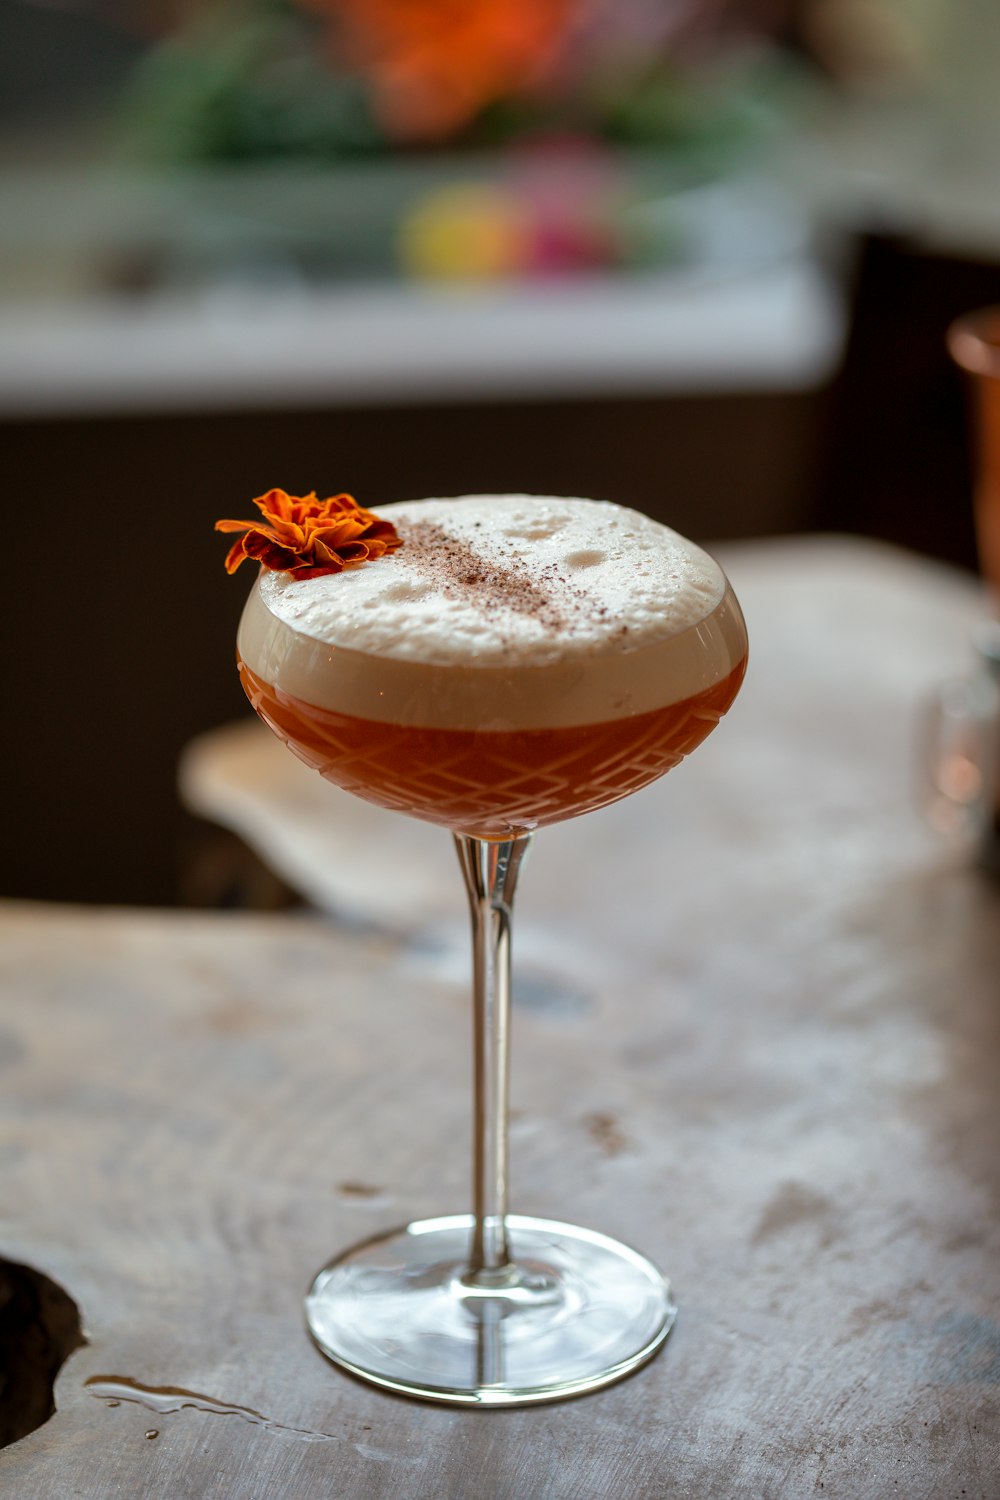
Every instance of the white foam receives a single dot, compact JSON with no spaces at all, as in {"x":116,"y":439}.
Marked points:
{"x":502,"y":611}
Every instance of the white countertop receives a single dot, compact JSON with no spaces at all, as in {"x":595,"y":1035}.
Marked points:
{"x":777,"y":327}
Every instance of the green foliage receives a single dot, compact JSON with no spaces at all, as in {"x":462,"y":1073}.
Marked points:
{"x":245,"y":83}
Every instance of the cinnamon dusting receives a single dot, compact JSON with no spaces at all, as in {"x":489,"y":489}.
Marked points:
{"x":453,"y":568}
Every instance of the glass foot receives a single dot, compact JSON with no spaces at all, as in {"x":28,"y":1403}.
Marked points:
{"x":575,"y":1311}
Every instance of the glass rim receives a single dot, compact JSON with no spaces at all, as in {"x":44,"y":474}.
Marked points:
{"x":973,"y":341}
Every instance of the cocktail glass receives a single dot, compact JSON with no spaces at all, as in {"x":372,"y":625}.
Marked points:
{"x":492,"y":1308}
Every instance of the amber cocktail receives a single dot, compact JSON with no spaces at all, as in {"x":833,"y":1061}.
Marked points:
{"x":519,"y":660}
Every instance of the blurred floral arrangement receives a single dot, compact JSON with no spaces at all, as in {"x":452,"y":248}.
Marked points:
{"x":580,"y":83}
{"x":246,"y":79}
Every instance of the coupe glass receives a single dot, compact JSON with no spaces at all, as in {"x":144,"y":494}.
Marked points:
{"x":491,"y":1308}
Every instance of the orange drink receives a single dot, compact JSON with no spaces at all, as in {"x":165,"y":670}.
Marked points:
{"x":518,"y":661}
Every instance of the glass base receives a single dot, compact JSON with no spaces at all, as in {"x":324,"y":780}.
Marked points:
{"x":575,"y":1311}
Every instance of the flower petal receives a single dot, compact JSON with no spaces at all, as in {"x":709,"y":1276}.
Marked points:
{"x":275,"y":505}
{"x":348,"y":553}
{"x":234,"y":525}
{"x":235,"y":556}
{"x":269,"y":552}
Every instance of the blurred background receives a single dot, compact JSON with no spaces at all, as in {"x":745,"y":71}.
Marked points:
{"x":696,"y":256}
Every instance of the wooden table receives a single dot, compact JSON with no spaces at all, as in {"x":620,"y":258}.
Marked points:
{"x":757,"y":1035}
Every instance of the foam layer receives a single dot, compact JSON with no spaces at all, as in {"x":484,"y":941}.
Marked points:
{"x":502,"y":611}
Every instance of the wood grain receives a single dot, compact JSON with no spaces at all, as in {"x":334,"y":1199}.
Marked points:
{"x":757,"y":1034}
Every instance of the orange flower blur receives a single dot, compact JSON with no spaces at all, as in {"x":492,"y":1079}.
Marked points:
{"x":434,"y":64}
{"x":305,"y":537}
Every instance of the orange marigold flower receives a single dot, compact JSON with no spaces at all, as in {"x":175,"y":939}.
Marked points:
{"x":434,"y":64}
{"x":305,"y":537}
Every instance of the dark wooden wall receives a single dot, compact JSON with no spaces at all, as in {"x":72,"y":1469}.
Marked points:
{"x":898,"y":462}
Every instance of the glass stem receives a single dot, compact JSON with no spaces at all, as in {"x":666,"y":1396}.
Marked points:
{"x":490,"y":871}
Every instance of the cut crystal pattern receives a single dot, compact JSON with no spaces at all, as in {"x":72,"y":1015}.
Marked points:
{"x":491,"y":783}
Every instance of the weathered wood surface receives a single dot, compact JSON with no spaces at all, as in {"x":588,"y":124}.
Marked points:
{"x":757,"y":1035}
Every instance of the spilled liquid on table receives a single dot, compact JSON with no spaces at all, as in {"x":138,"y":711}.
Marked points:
{"x":168,"y":1398}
